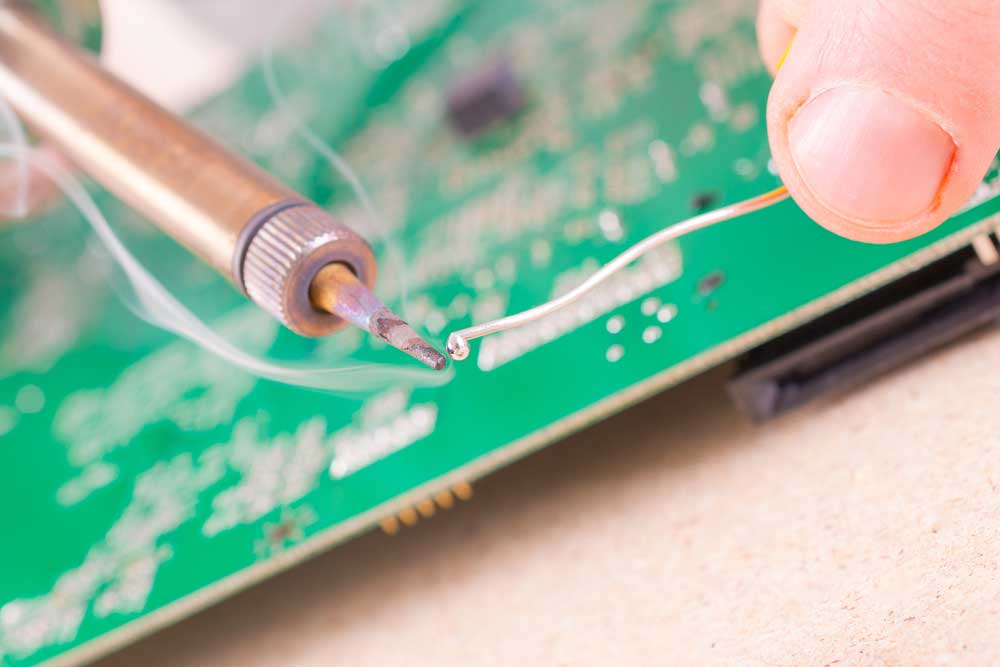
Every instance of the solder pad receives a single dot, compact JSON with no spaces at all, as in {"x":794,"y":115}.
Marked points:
{"x":144,"y":479}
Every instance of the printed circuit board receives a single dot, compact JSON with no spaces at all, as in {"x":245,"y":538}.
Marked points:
{"x":143,"y":479}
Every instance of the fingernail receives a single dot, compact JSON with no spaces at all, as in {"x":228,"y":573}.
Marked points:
{"x":870,"y":156}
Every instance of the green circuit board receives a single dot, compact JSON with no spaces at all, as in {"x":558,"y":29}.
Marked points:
{"x":143,"y":478}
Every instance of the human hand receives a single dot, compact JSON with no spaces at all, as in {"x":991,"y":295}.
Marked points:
{"x":885,"y":114}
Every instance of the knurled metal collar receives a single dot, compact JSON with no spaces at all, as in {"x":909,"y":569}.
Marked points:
{"x":284,"y":255}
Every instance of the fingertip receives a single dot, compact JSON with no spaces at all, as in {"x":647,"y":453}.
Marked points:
{"x":868,"y":164}
{"x":876,"y":139}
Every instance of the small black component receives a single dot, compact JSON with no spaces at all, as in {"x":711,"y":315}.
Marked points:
{"x":485,"y":97}
{"x":703,"y":201}
{"x":869,"y":337}
{"x":711,"y":282}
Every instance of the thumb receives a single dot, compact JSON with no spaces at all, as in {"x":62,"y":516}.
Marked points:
{"x":885,"y":114}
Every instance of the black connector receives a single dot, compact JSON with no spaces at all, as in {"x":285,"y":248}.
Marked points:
{"x":870,"y":336}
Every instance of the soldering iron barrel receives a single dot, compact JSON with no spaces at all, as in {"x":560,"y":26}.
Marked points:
{"x":251,"y":228}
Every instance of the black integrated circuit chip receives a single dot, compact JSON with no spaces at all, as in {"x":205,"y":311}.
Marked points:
{"x":485,"y":97}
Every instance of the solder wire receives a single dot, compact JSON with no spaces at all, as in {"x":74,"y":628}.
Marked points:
{"x":458,"y":341}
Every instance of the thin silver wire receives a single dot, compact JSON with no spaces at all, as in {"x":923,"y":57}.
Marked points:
{"x":458,"y":341}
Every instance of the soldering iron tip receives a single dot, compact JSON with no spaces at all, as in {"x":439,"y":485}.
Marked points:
{"x":386,"y":325}
{"x":336,"y":290}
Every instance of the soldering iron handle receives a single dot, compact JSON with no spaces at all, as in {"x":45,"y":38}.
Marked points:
{"x":160,"y":165}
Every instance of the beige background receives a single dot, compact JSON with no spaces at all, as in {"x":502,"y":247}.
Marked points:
{"x":862,"y":531}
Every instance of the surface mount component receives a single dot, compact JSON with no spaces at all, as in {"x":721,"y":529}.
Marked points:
{"x":270,"y":241}
{"x":485,"y":97}
{"x":703,"y":201}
